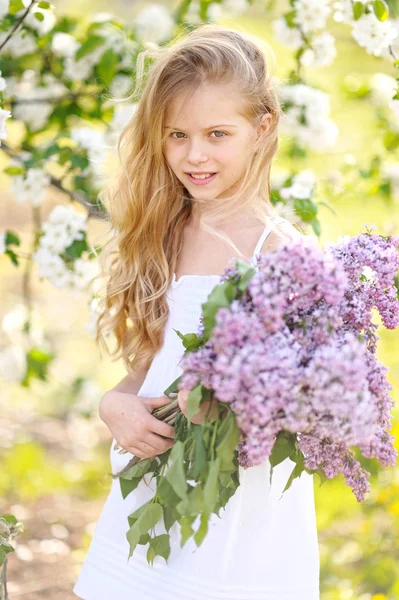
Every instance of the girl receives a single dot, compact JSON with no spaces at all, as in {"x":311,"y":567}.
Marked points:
{"x":197,"y":152}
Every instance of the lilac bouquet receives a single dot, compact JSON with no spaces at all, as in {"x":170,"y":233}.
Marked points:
{"x":291,"y":348}
{"x":287,"y":347}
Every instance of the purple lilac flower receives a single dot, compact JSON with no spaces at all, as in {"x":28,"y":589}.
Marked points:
{"x":296,"y":353}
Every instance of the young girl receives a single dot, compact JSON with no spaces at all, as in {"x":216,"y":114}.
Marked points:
{"x":192,"y":193}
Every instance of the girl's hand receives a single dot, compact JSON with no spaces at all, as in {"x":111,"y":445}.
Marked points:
{"x":197,"y":419}
{"x":129,"y":419}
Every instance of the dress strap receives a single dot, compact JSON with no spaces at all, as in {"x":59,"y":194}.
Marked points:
{"x":265,"y":233}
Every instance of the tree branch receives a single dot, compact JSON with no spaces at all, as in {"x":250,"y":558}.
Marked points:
{"x":17,"y":25}
{"x":93,"y":210}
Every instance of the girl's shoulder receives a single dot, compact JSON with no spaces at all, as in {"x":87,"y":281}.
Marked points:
{"x":283,"y":231}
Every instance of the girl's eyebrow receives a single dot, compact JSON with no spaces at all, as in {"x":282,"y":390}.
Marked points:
{"x":205,"y":129}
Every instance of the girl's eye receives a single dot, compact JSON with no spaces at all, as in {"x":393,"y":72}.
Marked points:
{"x":218,"y":136}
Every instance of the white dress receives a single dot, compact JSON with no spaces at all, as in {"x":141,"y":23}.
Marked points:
{"x":261,"y":548}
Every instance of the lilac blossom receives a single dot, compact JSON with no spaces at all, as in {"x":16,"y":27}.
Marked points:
{"x":296,"y":352}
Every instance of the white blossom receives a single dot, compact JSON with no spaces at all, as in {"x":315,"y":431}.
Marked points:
{"x":84,"y":270}
{"x":235,"y":7}
{"x":372,"y":34}
{"x":154,"y":24}
{"x":302,"y":186}
{"x":193,"y":13}
{"x":93,"y":141}
{"x":13,"y":324}
{"x":42,"y":27}
{"x":278,"y":176}
{"x":64,"y":44}
{"x":21,"y":43}
{"x":306,"y":117}
{"x":31,"y":187}
{"x":311,"y":14}
{"x":322,"y":53}
{"x":4,"y":115}
{"x":289,"y":36}
{"x":383,"y":88}
{"x":12,"y":363}
{"x":120,"y":86}
{"x":3,"y":246}
{"x":27,"y":90}
{"x":3,"y":83}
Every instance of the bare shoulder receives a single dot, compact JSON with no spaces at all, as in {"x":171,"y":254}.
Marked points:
{"x":284,"y":231}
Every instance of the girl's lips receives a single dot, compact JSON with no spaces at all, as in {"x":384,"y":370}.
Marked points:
{"x":201,"y":181}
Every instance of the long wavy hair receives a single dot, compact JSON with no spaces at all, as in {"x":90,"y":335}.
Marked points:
{"x":149,"y":207}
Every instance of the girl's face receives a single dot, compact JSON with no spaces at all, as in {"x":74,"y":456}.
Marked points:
{"x":206,"y":134}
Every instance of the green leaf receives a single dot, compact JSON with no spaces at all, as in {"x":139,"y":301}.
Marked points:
{"x":202,"y":529}
{"x":148,"y":518}
{"x":37,"y":365}
{"x":211,"y":485}
{"x":222,"y":295}
{"x":186,"y":531}
{"x":306,"y":209}
{"x":175,"y":474}
{"x":106,"y":65}
{"x":200,"y":455}
{"x":14,"y":170}
{"x":4,"y":550}
{"x":194,"y":400}
{"x":160,"y":546}
{"x":12,"y":239}
{"x":139,"y":469}
{"x":190,"y":340}
{"x":284,"y":447}
{"x":92,"y":42}
{"x":12,"y":256}
{"x":45,"y":5}
{"x":358,"y":10}
{"x":228,"y":438}
{"x":170,"y":516}
{"x":76,"y":249}
{"x":15,"y":6}
{"x":316,"y":227}
{"x":128,"y":485}
{"x":173,"y":388}
{"x":39,"y":16}
{"x":166,"y":493}
{"x":296,"y":472}
{"x":381,"y":10}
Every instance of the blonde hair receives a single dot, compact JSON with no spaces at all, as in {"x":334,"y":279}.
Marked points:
{"x":147,"y":204}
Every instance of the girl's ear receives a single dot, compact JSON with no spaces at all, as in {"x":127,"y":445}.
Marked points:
{"x":264,"y":124}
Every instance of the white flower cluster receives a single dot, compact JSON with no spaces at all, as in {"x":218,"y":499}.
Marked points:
{"x":93,"y":141}
{"x":154,"y":24}
{"x":4,"y":115}
{"x":307,"y":119}
{"x":42,"y":27}
{"x":20,"y":44}
{"x":30,"y":187}
{"x":311,"y":16}
{"x":30,"y":93}
{"x":383,"y":88}
{"x":369,"y":32}
{"x":63,"y":226}
{"x":66,"y":46}
{"x":216,"y":10}
{"x":302,"y":186}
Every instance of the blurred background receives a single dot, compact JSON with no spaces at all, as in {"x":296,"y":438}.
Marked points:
{"x":54,"y":450}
